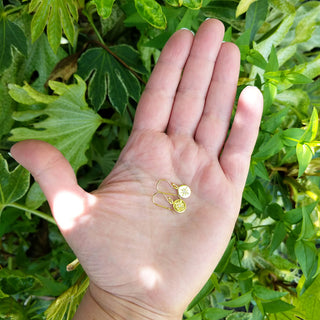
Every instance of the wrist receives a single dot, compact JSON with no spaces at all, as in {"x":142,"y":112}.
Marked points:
{"x":98,"y":304}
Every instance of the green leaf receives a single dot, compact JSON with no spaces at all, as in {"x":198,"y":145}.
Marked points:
{"x":270,"y":147}
{"x":273,"y":64}
{"x":252,"y":198}
{"x":57,"y":15}
{"x":239,"y":301}
{"x":265,"y":46}
{"x":215,"y":314}
{"x":256,"y":58}
{"x":15,"y":281}
{"x":69,"y":125}
{"x":306,"y":254}
{"x":292,"y":136}
{"x":175,"y":3}
{"x":226,"y":257}
{"x":276,"y":306}
{"x":243,"y":6}
{"x":275,"y":212}
{"x":151,"y":11}
{"x":107,"y":75}
{"x":13,"y":185}
{"x":41,"y":51}
{"x":306,"y":26}
{"x":307,"y":229}
{"x":279,"y":233}
{"x":192,"y":4}
{"x":264,"y":293}
{"x":10,"y":36}
{"x":67,"y":302}
{"x":104,"y":7}
{"x":312,"y":128}
{"x":304,"y":155}
{"x":255,"y":17}
{"x":10,"y":309}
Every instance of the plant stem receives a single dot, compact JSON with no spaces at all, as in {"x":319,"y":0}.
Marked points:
{"x":32,"y":211}
{"x":89,"y":17}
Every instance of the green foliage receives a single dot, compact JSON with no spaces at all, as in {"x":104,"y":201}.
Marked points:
{"x":71,"y":73}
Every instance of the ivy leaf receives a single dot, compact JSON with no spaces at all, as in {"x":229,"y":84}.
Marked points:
{"x":151,"y":11}
{"x":13,"y":185}
{"x":107,"y":75}
{"x":57,"y":15}
{"x":10,"y":36}
{"x":70,"y":123}
{"x":104,"y":7}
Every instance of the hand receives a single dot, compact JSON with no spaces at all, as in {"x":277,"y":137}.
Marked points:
{"x":136,"y":254}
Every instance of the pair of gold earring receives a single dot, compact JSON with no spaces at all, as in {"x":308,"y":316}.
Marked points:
{"x":174,"y":199}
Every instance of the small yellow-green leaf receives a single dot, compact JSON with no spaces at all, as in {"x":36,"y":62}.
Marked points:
{"x":304,"y":155}
{"x":312,"y":128}
{"x":243,"y":7}
{"x":151,"y":11}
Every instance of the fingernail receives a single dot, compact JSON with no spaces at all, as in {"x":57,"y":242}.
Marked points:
{"x":208,"y":19}
{"x":188,"y":30}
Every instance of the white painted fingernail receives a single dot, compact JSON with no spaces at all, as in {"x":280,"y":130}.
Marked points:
{"x":188,"y":30}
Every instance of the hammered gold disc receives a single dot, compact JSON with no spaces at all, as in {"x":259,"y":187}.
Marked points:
{"x":184,"y":191}
{"x":179,"y":206}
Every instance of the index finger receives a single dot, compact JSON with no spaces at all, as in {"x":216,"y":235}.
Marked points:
{"x":156,"y":102}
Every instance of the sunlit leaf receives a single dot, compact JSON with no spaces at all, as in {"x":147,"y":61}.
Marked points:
{"x":57,"y":15}
{"x":192,"y":4}
{"x":69,"y":125}
{"x":243,"y":6}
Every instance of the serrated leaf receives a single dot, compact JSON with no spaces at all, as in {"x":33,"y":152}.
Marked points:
{"x":11,"y":309}
{"x":104,"y":7}
{"x":70,"y":123}
{"x":13,"y":185}
{"x":10,"y":36}
{"x":67,"y":302}
{"x":304,"y":155}
{"x":15,"y":281}
{"x":151,"y":11}
{"x":107,"y":76}
{"x":57,"y":15}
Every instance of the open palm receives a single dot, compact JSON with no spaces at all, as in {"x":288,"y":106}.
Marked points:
{"x":130,"y":247}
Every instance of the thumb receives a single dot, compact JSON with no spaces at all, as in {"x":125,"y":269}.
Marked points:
{"x":56,"y":178}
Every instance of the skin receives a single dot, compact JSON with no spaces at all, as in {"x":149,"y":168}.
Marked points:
{"x":143,"y":261}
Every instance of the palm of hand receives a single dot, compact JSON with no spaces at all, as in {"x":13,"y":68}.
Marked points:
{"x":128,"y":246}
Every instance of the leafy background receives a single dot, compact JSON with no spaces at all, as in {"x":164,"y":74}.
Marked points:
{"x":73,"y":70}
